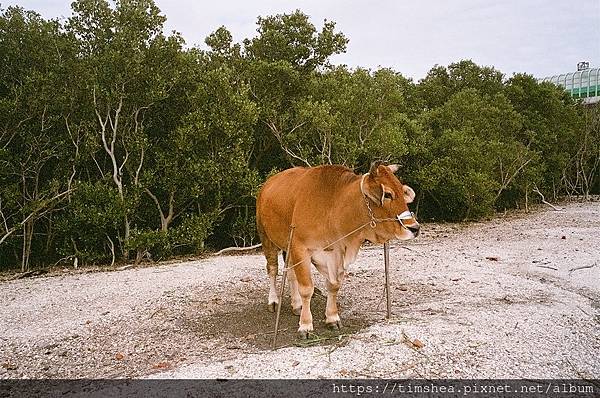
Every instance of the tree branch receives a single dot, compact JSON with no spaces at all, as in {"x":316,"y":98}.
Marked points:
{"x":155,"y":199}
{"x":136,"y":179}
{"x":506,"y":182}
{"x":33,"y":214}
{"x":536,"y":190}
{"x":285,"y":148}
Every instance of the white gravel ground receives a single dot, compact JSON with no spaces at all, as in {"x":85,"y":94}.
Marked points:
{"x":518,"y":296}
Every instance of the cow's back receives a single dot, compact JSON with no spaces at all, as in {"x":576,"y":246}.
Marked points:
{"x":304,"y":197}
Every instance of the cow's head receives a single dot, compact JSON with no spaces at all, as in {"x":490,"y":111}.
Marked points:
{"x":388,"y":200}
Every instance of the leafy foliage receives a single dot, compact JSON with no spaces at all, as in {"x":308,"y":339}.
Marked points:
{"x":118,"y":143}
{"x":89,"y":226}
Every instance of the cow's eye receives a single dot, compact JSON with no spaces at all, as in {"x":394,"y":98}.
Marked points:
{"x":387,"y":195}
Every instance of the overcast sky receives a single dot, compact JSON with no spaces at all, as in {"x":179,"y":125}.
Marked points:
{"x":540,"y":37}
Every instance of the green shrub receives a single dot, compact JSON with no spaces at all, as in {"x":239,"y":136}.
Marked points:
{"x":193,"y":231}
{"x":155,"y":244}
{"x":243,"y":229}
{"x":90,"y":225}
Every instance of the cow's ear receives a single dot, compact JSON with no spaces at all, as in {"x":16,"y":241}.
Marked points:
{"x":373,"y":190}
{"x":393,"y":167}
{"x":409,"y":194}
{"x":374,"y":166}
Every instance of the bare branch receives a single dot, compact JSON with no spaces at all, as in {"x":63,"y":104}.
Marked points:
{"x":136,"y":180}
{"x":507,"y":181}
{"x":97,"y":165}
{"x":112,"y":250}
{"x":283,"y":146}
{"x":536,"y":190}
{"x":237,"y":249}
{"x":34,"y":213}
{"x":296,"y":127}
{"x":14,"y":132}
{"x":110,"y":150}
{"x":115,"y":125}
{"x":224,"y":209}
{"x":124,"y":160}
{"x":3,"y":217}
{"x":171,"y":205}
{"x":155,"y":199}
{"x":582,"y":267}
{"x":182,"y":209}
{"x":76,"y":145}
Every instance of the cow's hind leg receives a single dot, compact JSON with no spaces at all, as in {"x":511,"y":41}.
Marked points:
{"x":271,"y":251}
{"x":295,"y":298}
{"x":306,"y":288}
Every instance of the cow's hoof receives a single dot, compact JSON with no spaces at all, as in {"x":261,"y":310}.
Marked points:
{"x":304,"y":331}
{"x":272,"y":307}
{"x":296,"y":311}
{"x":337,"y":325}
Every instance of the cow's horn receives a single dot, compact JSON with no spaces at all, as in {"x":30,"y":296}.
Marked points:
{"x":374,"y":166}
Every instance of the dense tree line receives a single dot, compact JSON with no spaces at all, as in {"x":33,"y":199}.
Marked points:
{"x":118,"y":143}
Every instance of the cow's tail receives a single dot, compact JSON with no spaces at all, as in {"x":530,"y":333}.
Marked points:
{"x":237,"y":249}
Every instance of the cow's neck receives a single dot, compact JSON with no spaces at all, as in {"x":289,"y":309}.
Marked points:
{"x":372,"y":234}
{"x":355,"y":209}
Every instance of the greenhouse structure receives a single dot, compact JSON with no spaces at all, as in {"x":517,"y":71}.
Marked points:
{"x":583,"y":84}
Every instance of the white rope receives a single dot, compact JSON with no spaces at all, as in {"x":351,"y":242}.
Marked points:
{"x":329,"y":245}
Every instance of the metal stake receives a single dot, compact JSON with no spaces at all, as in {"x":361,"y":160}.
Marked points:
{"x":386,"y":259}
{"x":284,"y":276}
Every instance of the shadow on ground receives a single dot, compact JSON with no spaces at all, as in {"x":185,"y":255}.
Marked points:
{"x":249,"y":323}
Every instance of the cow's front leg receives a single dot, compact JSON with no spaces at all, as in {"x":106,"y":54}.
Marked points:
{"x":305,"y":289}
{"x":331,"y":267}
{"x":333,"y":283}
{"x":332,"y":318}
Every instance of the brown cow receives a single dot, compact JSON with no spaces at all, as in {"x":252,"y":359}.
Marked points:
{"x":325,"y":204}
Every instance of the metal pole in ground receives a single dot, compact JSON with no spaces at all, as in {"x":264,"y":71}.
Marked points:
{"x":283,"y":278}
{"x":386,"y":259}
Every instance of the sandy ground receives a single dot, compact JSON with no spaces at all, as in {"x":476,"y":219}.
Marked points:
{"x":517,"y":296}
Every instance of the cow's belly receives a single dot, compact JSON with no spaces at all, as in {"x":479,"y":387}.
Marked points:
{"x":333,"y":264}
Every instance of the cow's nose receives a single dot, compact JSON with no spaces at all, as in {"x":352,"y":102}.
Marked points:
{"x":414,"y":229}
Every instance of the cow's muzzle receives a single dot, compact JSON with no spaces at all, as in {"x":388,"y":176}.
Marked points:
{"x":408,"y":215}
{"x":414,"y":229}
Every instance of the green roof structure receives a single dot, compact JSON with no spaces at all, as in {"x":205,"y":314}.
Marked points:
{"x":583,"y":84}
